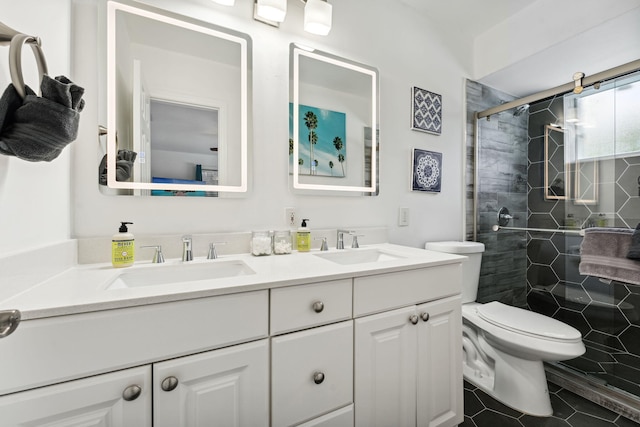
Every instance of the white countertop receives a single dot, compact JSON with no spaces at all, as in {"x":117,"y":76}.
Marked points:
{"x":83,"y":288}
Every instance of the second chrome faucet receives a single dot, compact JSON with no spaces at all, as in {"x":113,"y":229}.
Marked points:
{"x":187,"y":251}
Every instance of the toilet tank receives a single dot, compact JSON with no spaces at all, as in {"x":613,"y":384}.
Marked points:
{"x":470,"y":267}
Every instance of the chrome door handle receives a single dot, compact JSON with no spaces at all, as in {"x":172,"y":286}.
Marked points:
{"x":9,"y":321}
{"x":424,"y":316}
{"x":413,"y":319}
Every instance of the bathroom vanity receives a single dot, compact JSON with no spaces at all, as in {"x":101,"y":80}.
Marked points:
{"x":302,"y":339}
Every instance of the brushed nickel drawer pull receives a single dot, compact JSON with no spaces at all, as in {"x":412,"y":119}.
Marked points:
{"x":318,"y":306}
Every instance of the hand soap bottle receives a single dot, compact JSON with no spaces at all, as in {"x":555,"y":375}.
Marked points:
{"x":122,"y":247}
{"x":303,"y":237}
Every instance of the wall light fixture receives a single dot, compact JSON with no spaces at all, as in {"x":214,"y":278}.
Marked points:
{"x":318,"y":17}
{"x":317,"y":14}
{"x":271,"y":10}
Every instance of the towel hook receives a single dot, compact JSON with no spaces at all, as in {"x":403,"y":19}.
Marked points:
{"x":15,"y":60}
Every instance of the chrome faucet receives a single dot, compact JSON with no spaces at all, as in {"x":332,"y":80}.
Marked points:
{"x":341,"y":233}
{"x":187,"y":253}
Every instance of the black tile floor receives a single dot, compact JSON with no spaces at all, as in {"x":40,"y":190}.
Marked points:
{"x":569,"y":410}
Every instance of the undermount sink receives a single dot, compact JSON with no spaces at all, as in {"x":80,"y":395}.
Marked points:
{"x":179,"y":273}
{"x":358,"y":256}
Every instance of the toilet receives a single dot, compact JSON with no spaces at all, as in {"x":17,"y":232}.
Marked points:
{"x":504,"y":347}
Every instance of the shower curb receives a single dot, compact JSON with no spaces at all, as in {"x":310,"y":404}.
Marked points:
{"x":615,"y":401}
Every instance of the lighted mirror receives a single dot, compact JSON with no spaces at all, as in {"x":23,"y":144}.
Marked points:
{"x":556,"y":171}
{"x":177,"y":104}
{"x":332,"y":111}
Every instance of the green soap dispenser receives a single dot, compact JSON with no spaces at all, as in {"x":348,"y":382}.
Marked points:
{"x":122,"y":247}
{"x":303,"y":237}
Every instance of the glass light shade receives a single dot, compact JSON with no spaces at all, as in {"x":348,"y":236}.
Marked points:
{"x":272,"y":10}
{"x":317,"y":17}
{"x":225,"y":2}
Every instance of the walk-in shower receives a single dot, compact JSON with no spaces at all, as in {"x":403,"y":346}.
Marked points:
{"x":562,"y":164}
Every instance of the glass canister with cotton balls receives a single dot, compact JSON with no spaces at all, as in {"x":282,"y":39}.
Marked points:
{"x":261,"y":243}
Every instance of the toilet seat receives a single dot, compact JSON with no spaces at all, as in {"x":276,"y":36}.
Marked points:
{"x":527,"y":322}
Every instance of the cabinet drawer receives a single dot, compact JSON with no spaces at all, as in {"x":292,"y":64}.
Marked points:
{"x":297,"y":396}
{"x":341,"y":418}
{"x":90,"y":343}
{"x":372,"y":294}
{"x":292,"y":308}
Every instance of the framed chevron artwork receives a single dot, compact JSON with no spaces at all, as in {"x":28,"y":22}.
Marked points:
{"x":426,"y":111}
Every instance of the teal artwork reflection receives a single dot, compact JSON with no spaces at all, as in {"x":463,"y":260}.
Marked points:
{"x":322,"y":149}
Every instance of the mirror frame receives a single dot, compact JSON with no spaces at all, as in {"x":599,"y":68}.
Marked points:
{"x":297,"y":51}
{"x":567,"y":186}
{"x":194,"y":25}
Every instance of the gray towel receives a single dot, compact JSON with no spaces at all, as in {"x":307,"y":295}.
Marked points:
{"x":38,"y":128}
{"x":603,"y":253}
{"x":634,"y":250}
{"x":124,"y":166}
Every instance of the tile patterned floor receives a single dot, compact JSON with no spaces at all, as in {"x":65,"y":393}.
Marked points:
{"x":569,"y":410}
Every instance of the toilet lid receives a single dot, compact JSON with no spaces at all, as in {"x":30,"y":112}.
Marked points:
{"x":528,"y":322}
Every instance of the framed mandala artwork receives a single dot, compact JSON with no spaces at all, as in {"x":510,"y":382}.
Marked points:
{"x":426,"y":111}
{"x":426,"y":171}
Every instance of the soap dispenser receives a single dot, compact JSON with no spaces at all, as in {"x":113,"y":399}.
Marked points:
{"x":303,"y":237}
{"x":122,"y":247}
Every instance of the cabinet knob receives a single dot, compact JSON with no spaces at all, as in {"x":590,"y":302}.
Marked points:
{"x":9,"y":321}
{"x":413,"y":319}
{"x":424,"y":316}
{"x":169,"y":383}
{"x":131,"y":393}
{"x":318,"y":306}
{"x":318,"y":377}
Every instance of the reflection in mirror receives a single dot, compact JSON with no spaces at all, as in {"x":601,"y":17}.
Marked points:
{"x":178,"y":95}
{"x":586,"y":177}
{"x":556,"y":171}
{"x":333,"y":107}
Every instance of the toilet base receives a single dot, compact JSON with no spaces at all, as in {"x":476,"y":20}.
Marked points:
{"x":518,"y":383}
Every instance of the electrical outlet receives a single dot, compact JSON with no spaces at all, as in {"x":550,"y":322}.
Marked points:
{"x":403,"y":217}
{"x":290,"y":216}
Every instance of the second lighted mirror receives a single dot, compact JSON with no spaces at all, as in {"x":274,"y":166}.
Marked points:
{"x":333,"y":111}
{"x":178,"y":104}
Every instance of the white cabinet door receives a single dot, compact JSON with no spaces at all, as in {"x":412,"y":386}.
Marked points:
{"x":440,"y":387}
{"x":96,"y":401}
{"x":385,"y":369}
{"x":227,"y":387}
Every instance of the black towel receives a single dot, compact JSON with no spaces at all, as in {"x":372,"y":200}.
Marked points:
{"x":38,"y":128}
{"x":634,"y":250}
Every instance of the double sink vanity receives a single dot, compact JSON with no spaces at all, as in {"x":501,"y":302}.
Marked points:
{"x":367,"y":337}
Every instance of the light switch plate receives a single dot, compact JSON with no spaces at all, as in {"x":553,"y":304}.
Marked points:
{"x":403,"y":217}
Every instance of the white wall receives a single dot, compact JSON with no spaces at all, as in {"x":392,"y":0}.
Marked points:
{"x":34,"y":197}
{"x":406,"y":53}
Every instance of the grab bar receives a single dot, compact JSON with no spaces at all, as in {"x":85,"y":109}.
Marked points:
{"x":539,"y":230}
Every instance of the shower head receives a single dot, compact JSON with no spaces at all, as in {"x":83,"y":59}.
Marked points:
{"x":520,"y":110}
